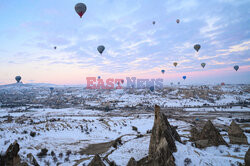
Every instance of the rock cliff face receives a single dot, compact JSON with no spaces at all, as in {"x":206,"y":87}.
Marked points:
{"x":162,"y":143}
{"x":236,"y":135}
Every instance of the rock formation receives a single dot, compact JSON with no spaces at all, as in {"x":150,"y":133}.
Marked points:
{"x":11,"y":156}
{"x":32,"y":159}
{"x":162,"y":143}
{"x":96,"y":161}
{"x":132,"y":162}
{"x":236,"y":135}
{"x":247,"y":158}
{"x":209,"y":136}
{"x":195,"y":135}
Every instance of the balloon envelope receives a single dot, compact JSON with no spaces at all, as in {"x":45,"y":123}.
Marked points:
{"x":152,"y":88}
{"x":175,"y":64}
{"x":162,"y":71}
{"x":203,"y":64}
{"x":184,"y":77}
{"x":51,"y":88}
{"x":99,"y":77}
{"x":100,"y":49}
{"x":153,"y":22}
{"x":18,"y":78}
{"x":55,"y":48}
{"x":236,"y":67}
{"x":178,"y":21}
{"x":80,"y":9}
{"x":197,"y":47}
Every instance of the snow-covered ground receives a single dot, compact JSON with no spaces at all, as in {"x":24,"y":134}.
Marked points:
{"x":69,"y":120}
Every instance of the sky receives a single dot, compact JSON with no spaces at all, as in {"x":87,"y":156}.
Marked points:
{"x":134,"y":47}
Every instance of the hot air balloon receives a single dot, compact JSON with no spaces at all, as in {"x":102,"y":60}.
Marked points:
{"x":51,"y":88}
{"x":175,"y":64}
{"x":236,"y":67}
{"x":197,"y":47}
{"x":55,"y":47}
{"x":177,"y":21}
{"x":222,"y":84}
{"x":152,"y":88}
{"x":18,"y":79}
{"x":203,"y":64}
{"x":122,"y":81}
{"x":162,"y":71}
{"x":100,"y":49}
{"x":153,"y":22}
{"x":80,"y":9}
{"x":184,"y":77}
{"x":99,"y":77}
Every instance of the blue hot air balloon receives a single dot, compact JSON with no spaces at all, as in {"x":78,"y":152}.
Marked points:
{"x":100,"y":49}
{"x":184,"y":77}
{"x":99,"y":77}
{"x":236,"y":67}
{"x":162,"y":71}
{"x":152,"y":88}
{"x":18,"y":79}
{"x":51,"y":89}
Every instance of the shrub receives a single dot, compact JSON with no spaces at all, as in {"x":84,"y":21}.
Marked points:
{"x":32,"y":134}
{"x":134,"y":128}
{"x":43,"y":152}
{"x":187,"y":161}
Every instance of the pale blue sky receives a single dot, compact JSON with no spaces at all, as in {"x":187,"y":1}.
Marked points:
{"x":134,"y":46}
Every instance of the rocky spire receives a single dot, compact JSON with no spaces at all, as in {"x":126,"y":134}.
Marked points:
{"x":236,"y":135}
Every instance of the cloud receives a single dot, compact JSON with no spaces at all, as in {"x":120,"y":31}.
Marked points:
{"x":244,"y":46}
{"x":247,"y":60}
{"x":214,"y":62}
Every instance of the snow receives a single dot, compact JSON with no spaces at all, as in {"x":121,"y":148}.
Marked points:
{"x":80,"y":120}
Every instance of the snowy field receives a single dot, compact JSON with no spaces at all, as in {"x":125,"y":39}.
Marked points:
{"x":76,"y":123}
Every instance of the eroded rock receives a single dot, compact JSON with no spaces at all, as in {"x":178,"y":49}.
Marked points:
{"x":132,"y":162}
{"x":162,"y":141}
{"x":209,"y":136}
{"x":32,"y":159}
{"x":236,"y":135}
{"x":195,"y":135}
{"x":11,"y":156}
{"x":96,"y":161}
{"x":247,"y":158}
